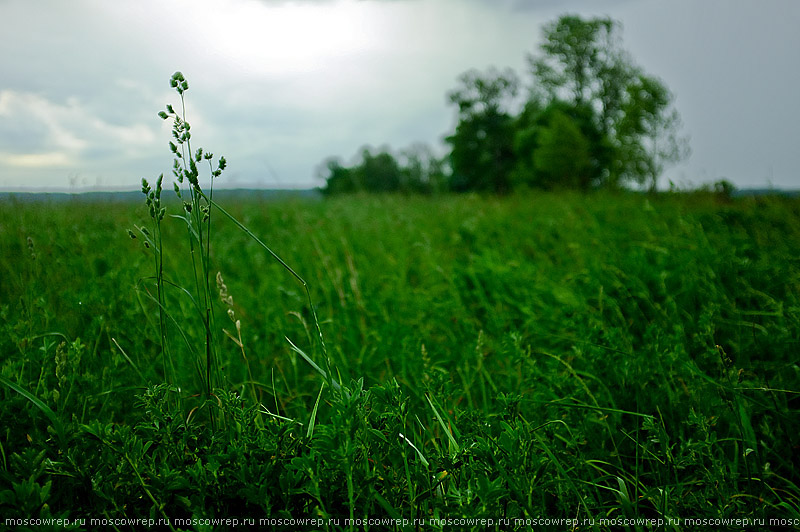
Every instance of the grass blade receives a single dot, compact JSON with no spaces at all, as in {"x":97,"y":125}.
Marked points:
{"x":314,"y":365}
{"x":128,"y":359}
{"x":455,"y":448}
{"x":312,"y":421}
{"x":46,"y":410}
{"x":419,"y":453}
{"x":265,"y":410}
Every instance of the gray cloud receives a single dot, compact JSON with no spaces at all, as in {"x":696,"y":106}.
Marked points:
{"x":560,"y":5}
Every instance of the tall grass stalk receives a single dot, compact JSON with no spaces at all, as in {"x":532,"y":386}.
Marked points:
{"x":155,"y":242}
{"x":197,"y":215}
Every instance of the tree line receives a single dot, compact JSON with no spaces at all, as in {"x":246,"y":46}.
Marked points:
{"x":590,"y":118}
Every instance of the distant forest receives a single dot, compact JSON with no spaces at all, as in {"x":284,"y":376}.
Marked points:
{"x":590,"y":118}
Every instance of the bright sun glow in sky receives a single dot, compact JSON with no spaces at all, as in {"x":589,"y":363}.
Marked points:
{"x":283,"y":38}
{"x":277,"y":86}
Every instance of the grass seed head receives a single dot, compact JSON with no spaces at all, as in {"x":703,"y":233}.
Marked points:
{"x":224,"y":296}
{"x":61,"y":363}
{"x":31,"y":248}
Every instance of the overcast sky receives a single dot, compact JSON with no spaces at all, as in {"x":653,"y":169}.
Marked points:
{"x":277,"y":86}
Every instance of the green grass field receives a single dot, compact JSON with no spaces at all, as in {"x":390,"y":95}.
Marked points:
{"x":545,"y":356}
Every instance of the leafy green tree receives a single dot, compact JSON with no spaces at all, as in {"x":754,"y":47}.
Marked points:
{"x":338,"y":178}
{"x":417,"y":170}
{"x":482,"y":153}
{"x":423,"y":171}
{"x":378,"y":172}
{"x":582,"y":63}
{"x":563,"y":157}
{"x":647,"y":132}
{"x":559,"y":145}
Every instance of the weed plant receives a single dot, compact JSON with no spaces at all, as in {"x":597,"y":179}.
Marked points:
{"x":556,"y":356}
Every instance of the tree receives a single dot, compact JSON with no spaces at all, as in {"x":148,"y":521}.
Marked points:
{"x":647,"y":132}
{"x":581,"y":62}
{"x":423,"y":171}
{"x":559,"y":145}
{"x":338,"y":179}
{"x":380,"y":171}
{"x":563,"y":157}
{"x":482,"y":154}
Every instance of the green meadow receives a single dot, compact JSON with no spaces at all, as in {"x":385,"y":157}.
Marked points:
{"x":550,"y":361}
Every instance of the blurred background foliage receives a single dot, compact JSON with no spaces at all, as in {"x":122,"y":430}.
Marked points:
{"x":589,"y":118}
